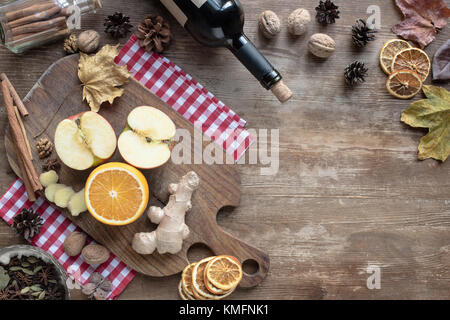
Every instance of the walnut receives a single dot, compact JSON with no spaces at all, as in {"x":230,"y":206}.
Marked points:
{"x":74,"y":243}
{"x":298,"y":22}
{"x":71,"y":44}
{"x":321,"y":45}
{"x":88,"y":41}
{"x":95,"y":254}
{"x":44,"y":147}
{"x":269,"y":24}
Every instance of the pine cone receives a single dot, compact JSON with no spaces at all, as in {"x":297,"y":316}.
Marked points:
{"x":355,"y":72}
{"x":154,"y":34}
{"x":51,"y":164}
{"x":327,"y":12}
{"x":44,"y":147}
{"x":117,"y":25}
{"x":71,"y":44}
{"x":361,"y":33}
{"x":27,"y":223}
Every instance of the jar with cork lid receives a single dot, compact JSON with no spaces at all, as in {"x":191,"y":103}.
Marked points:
{"x":26,"y":24}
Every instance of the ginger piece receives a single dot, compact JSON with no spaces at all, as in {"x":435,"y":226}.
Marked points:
{"x":77,"y":204}
{"x":51,"y":190}
{"x":62,"y":196}
{"x":172,"y":230}
{"x":48,"y":178}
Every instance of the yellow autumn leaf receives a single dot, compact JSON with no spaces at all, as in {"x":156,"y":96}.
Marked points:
{"x":101,"y":77}
{"x":432,"y":113}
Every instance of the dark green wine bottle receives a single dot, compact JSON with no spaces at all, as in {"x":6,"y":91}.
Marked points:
{"x":220,"y":23}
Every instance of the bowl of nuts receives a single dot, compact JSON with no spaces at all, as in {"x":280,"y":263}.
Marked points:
{"x":29,"y":273}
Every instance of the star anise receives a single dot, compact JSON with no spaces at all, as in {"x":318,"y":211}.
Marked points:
{"x":6,"y":293}
{"x":45,"y":275}
{"x":23,"y":279}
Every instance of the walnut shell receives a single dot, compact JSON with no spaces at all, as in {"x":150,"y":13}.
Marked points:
{"x":321,"y":45}
{"x":95,"y":254}
{"x":298,"y":22}
{"x":74,"y":243}
{"x":269,"y":24}
{"x":88,"y":41}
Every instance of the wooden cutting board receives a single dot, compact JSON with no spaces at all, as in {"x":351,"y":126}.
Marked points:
{"x":219,"y":184}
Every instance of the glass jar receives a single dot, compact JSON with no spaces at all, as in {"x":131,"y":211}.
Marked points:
{"x":26,"y":24}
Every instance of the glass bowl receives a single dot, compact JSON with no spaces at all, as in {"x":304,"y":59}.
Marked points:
{"x":27,"y":251}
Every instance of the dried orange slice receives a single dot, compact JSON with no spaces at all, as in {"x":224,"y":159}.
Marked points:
{"x":412,"y":59}
{"x":198,"y":285}
{"x":186,"y":280}
{"x":224,"y":272}
{"x":116,"y":193}
{"x":404,"y":84}
{"x":183,"y":296}
{"x":212,"y":288}
{"x":389,"y":51}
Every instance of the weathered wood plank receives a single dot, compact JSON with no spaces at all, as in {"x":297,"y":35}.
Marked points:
{"x":349,"y":191}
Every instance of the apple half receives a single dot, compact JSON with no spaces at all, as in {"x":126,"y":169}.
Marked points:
{"x":145,"y":142}
{"x":85,"y":140}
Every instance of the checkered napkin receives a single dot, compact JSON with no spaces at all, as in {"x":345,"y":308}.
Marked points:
{"x":180,"y":91}
{"x":53,"y":233}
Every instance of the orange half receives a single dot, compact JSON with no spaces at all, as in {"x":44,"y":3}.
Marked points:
{"x":116,"y":193}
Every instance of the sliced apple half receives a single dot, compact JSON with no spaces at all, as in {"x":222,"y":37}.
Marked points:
{"x":85,"y":140}
{"x":145,"y":142}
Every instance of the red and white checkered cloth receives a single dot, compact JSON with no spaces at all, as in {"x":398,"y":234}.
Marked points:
{"x":180,"y":91}
{"x":54,"y":231}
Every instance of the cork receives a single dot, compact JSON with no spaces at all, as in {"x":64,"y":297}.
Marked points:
{"x":281,"y":91}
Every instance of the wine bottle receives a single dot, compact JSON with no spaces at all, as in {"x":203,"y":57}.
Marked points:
{"x":219,"y":23}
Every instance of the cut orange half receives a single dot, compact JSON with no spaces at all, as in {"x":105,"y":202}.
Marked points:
{"x":412,"y":59}
{"x":116,"y":193}
{"x":404,"y":84}
{"x":224,"y":272}
{"x":389,"y":51}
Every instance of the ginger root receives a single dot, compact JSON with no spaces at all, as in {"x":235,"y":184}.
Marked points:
{"x":172,"y":230}
{"x":62,"y":197}
{"x":77,"y":204}
{"x":48,"y":178}
{"x":51,"y":190}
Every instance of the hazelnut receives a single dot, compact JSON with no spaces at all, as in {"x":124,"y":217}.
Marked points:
{"x":95,"y":254}
{"x":298,"y":22}
{"x":321,"y":45}
{"x":74,"y":243}
{"x":88,"y":41}
{"x":269,"y":24}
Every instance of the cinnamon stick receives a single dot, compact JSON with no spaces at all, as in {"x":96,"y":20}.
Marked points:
{"x":43,"y":15}
{"x":13,"y":15}
{"x":16,"y":97}
{"x":36,"y":27}
{"x":45,"y":35}
{"x":28,"y":187}
{"x":24,"y":132}
{"x":19,"y":140}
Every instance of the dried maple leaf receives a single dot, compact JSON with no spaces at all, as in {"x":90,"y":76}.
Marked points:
{"x":432,"y":113}
{"x":101,"y":77}
{"x":422,"y":20}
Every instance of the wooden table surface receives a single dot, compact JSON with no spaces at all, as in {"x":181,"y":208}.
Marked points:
{"x":349,"y":193}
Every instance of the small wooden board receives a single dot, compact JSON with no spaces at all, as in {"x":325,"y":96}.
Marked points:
{"x":219,"y":184}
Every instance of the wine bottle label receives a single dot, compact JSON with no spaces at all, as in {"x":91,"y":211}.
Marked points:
{"x":176,"y":11}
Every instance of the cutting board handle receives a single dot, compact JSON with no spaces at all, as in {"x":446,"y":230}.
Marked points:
{"x":224,"y":243}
